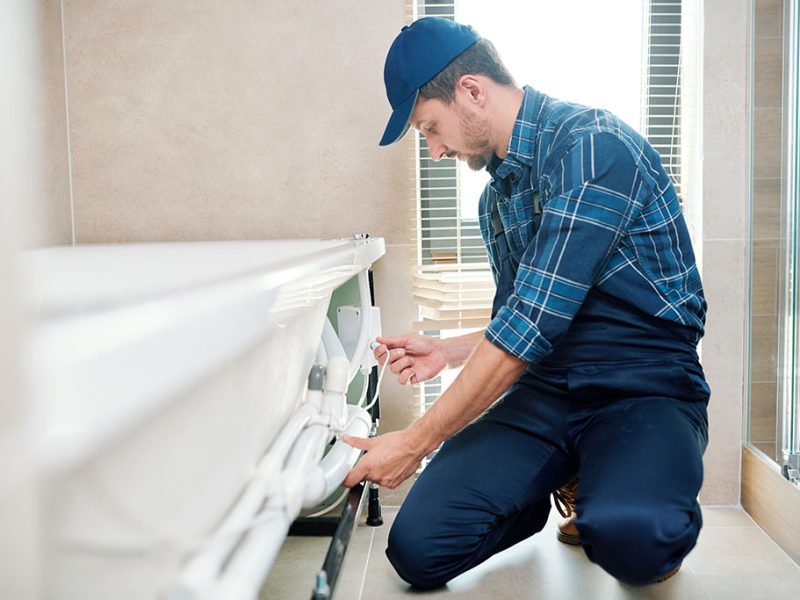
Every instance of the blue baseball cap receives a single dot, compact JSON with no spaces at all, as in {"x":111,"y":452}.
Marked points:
{"x":417,"y":55}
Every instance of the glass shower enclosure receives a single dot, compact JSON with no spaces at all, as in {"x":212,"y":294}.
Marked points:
{"x":773,"y":422}
{"x":790,"y":328}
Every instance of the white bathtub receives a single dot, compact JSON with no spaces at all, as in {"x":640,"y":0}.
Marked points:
{"x":160,"y":374}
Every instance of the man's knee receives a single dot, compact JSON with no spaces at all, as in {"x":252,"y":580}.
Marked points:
{"x":638,"y":544}
{"x":411,"y":555}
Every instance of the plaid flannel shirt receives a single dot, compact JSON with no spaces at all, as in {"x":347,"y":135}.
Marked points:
{"x":584,"y":201}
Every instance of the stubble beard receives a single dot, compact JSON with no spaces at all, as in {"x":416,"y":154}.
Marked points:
{"x":476,"y":132}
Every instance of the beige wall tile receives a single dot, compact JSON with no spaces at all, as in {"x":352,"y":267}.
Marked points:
{"x":723,"y":361}
{"x":763,"y":411}
{"x":765,"y":279}
{"x":392,"y":276}
{"x":724,"y":118}
{"x":766,"y":212}
{"x":768,"y":72}
{"x":768,"y":18}
{"x":52,"y":212}
{"x":767,"y":142}
{"x":726,"y":31}
{"x":764,"y":348}
{"x":201,"y":120}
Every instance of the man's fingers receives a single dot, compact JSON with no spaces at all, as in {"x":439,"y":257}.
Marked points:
{"x":391,"y":341}
{"x":406,"y":376}
{"x":397,"y":366}
{"x":359,"y":472}
{"x":381,"y":352}
{"x":360,"y":443}
{"x":356,"y":475}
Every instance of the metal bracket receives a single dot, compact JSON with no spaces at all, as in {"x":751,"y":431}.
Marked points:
{"x":791,"y":468}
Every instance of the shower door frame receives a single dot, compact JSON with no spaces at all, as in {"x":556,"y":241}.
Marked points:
{"x":788,"y":417}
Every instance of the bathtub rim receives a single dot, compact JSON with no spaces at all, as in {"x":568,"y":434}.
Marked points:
{"x":62,"y":380}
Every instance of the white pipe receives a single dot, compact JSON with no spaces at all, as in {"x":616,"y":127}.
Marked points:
{"x":322,"y":355}
{"x":309,"y":448}
{"x":205,"y":567}
{"x":284,"y":478}
{"x":331,"y":341}
{"x":245,"y":572}
{"x":314,"y":400}
{"x":324,"y":477}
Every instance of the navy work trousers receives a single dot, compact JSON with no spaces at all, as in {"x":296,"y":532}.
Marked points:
{"x":633,"y":431}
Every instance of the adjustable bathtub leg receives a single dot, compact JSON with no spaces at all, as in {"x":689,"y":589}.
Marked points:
{"x":374,"y":518}
{"x":322,"y":591}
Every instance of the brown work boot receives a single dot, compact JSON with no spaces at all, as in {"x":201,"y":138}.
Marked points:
{"x":564,"y":499}
{"x":667,"y":575}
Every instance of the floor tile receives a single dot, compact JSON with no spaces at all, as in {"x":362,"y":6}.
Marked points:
{"x":726,"y":516}
{"x":540,"y":567}
{"x":293,"y":575}
{"x":743,"y":563}
{"x":733,"y":560}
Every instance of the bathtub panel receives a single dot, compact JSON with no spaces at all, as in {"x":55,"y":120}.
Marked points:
{"x":154,"y":484}
{"x":155,"y":397}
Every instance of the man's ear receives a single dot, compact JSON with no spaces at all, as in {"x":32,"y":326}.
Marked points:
{"x":473,"y":89}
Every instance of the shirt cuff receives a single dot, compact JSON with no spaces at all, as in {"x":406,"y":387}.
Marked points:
{"x":515,"y":333}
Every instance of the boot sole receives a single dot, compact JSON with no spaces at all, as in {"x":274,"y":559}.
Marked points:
{"x":569,"y":538}
{"x":668,"y":575}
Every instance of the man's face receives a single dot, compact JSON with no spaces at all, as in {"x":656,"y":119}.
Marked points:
{"x":455,"y":130}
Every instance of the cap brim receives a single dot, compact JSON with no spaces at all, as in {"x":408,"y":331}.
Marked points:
{"x":399,"y":121}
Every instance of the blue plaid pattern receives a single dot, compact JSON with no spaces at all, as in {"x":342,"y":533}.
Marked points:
{"x":584,"y":201}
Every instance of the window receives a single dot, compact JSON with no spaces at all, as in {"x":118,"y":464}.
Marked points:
{"x":661,"y":121}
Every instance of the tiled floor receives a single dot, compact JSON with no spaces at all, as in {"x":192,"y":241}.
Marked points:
{"x":734,"y":560}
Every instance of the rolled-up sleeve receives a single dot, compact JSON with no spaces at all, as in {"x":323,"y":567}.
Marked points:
{"x":592,"y":194}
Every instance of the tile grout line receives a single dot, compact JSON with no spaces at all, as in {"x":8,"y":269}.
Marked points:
{"x":366,"y":565}
{"x":66,"y":115}
{"x":754,"y":524}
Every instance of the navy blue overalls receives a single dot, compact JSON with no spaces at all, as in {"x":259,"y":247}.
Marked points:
{"x":620,"y":403}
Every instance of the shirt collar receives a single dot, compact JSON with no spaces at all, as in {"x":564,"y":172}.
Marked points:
{"x":521,"y":149}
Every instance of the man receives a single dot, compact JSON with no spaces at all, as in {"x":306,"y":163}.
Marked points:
{"x":591,"y":349}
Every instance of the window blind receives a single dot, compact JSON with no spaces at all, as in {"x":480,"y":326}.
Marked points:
{"x":661,"y":114}
{"x":452,"y":282}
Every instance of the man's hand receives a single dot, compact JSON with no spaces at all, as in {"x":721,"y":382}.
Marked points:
{"x":391,"y":458}
{"x":413,"y":358}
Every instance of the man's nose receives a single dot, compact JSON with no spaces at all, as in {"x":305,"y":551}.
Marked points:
{"x":437,"y":150}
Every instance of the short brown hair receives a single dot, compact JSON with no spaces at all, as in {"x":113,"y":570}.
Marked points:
{"x":479,"y":59}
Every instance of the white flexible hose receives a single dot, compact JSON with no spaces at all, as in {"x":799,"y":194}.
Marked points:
{"x":378,"y":385}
